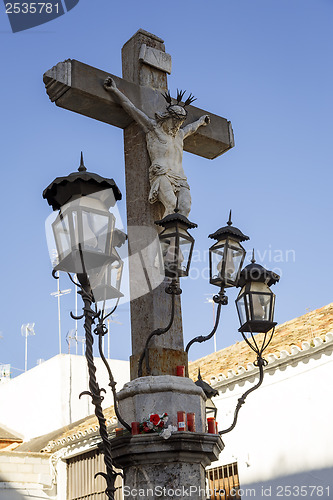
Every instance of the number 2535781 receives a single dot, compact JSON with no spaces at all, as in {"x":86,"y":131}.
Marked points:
{"x":32,"y":8}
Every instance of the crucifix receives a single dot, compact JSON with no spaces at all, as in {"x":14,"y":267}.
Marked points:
{"x":83,"y":89}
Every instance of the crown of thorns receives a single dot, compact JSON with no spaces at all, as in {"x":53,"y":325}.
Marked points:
{"x":180,"y":95}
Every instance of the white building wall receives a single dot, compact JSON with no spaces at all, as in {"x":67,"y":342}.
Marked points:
{"x":46,"y":397}
{"x":24,"y":476}
{"x":285,"y":427}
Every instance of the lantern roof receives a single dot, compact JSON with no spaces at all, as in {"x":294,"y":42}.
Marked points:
{"x":77,"y":184}
{"x":229,"y":230}
{"x":173,"y":218}
{"x":256,"y":272}
{"x":208,"y":389}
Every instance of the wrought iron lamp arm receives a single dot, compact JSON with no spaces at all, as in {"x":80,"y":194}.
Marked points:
{"x":94,"y":389}
{"x":95,"y":392}
{"x":260,"y":363}
{"x":220,"y":299}
{"x":201,"y":338}
{"x":100,"y":331}
{"x":111,"y":312}
{"x":173,"y":290}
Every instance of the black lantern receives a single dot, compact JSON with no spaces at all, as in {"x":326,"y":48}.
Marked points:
{"x":211,"y":410}
{"x":84,"y":227}
{"x":226,"y":256}
{"x":105,"y":281}
{"x":255,"y":302}
{"x":176,"y":244}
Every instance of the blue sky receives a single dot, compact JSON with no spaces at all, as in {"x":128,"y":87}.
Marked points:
{"x":263,"y":64}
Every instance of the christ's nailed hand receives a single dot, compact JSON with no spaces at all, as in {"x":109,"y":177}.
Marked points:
{"x":109,"y":83}
{"x":207,"y":119}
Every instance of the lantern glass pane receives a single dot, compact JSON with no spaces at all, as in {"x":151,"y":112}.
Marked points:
{"x":227,"y":258}
{"x":217,"y":262}
{"x":211,"y":409}
{"x":105,"y":281}
{"x":233,"y":263}
{"x":98,"y":277}
{"x":75,"y":237}
{"x":96,"y":229}
{"x":62,"y":236}
{"x":242,"y":309}
{"x":261,"y":301}
{"x":184,"y":253}
{"x":168,"y":246}
{"x":272,"y":307}
{"x":116,"y":273}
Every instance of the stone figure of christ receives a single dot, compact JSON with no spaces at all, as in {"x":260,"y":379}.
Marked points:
{"x":165,"y":139}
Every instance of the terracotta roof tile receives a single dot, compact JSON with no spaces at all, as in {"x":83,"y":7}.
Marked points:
{"x":292,"y":333}
{"x":85,"y":427}
{"x":88,"y":424}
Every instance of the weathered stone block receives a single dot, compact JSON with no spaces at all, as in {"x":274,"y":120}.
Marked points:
{"x":162,"y":394}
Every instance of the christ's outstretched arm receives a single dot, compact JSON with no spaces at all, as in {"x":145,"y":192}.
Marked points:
{"x":191,"y":128}
{"x":141,"y":118}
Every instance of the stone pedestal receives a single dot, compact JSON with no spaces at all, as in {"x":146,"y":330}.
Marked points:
{"x":162,"y":394}
{"x":171,"y":468}
{"x":155,"y":467}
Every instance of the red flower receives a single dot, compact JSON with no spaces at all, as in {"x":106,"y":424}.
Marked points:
{"x":155,"y":419}
{"x":145,"y":427}
{"x":161,"y":424}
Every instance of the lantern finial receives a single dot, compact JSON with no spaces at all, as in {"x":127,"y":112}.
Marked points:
{"x":253,"y":260}
{"x":82,"y":167}
{"x":229,"y":221}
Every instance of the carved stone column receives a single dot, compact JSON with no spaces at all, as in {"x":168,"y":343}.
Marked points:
{"x":173,"y":468}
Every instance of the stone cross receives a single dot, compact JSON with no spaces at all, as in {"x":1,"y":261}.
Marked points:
{"x":78,"y":87}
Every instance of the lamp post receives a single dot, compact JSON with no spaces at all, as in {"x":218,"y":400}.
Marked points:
{"x":255,"y":306}
{"x":176,"y":244}
{"x":86,"y":242}
{"x":255,"y":302}
{"x":226,"y":258}
{"x":177,"y":247}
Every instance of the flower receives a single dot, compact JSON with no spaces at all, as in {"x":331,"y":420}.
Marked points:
{"x":155,"y":419}
{"x":166,"y":433}
{"x":145,"y":427}
{"x":154,"y":423}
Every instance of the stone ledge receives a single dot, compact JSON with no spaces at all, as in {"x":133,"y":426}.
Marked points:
{"x":160,"y":383}
{"x":186,"y":447}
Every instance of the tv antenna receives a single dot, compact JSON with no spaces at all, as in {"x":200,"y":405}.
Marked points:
{"x":72,"y":335}
{"x":26,"y":330}
{"x":59,"y":293}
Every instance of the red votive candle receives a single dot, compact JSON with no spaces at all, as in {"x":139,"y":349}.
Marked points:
{"x":211,"y":425}
{"x":191,"y":422}
{"x":181,"y":421}
{"x":119,"y":431}
{"x":135,"y":428}
{"x":180,"y":370}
